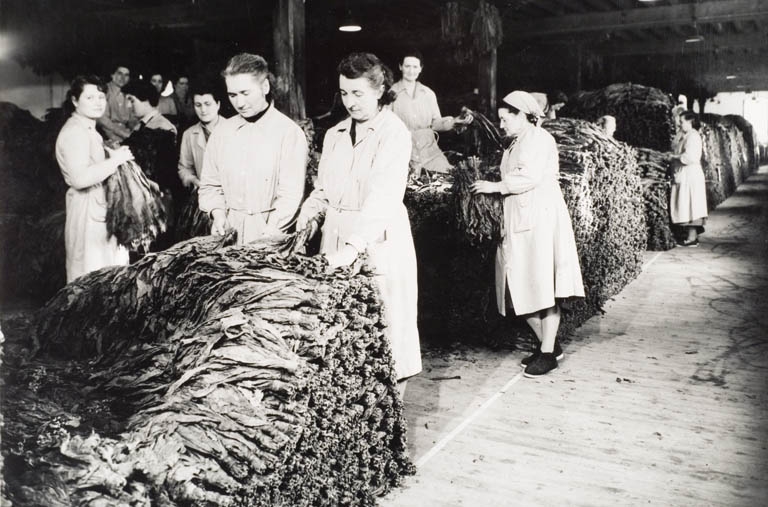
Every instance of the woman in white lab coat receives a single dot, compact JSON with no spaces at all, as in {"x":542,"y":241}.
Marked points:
{"x":688,"y":197}
{"x":360,"y":186}
{"x":81,"y":157}
{"x":536,"y":260}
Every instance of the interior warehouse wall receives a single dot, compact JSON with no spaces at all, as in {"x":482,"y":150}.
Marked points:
{"x":24,"y":88}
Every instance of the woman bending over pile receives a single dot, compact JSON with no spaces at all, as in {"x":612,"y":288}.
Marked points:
{"x":360,"y":187}
{"x":83,"y":163}
{"x":536,"y":260}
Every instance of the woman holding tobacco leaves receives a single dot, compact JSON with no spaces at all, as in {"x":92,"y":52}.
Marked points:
{"x":81,"y":157}
{"x":360,"y":187}
{"x":536,"y":260}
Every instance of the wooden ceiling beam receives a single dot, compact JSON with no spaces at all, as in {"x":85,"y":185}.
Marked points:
{"x":712,"y":42}
{"x":712,"y":11}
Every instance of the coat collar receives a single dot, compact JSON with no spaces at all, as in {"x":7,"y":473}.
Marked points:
{"x":241,"y":122}
{"x":82,"y":120}
{"x":399,"y":88}
{"x":345,"y":125}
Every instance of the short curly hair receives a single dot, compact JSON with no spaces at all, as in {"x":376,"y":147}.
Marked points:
{"x":368,"y":65}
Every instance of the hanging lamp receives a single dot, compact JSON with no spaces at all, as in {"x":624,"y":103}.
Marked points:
{"x":348,"y":23}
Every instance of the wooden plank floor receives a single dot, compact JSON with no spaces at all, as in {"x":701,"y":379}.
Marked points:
{"x":661,"y":401}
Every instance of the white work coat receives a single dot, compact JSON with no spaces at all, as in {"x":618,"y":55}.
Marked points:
{"x":536,"y":258}
{"x":255,"y":172}
{"x":421,"y":115}
{"x":81,"y":157}
{"x":688,"y":196}
{"x":192,"y":150}
{"x":361,"y":190}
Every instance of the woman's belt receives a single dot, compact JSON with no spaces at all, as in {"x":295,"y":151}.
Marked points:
{"x":340,"y":208}
{"x":249,"y":211}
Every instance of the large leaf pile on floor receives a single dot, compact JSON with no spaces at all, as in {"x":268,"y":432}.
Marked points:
{"x":643,"y":114}
{"x":208,"y":376}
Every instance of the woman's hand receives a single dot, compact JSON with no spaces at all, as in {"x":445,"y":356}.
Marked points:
{"x":485,"y":187}
{"x":120,"y":155}
{"x":343,"y":257}
{"x":220,"y":224}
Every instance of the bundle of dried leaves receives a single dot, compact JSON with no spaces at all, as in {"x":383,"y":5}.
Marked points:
{"x":222,"y":376}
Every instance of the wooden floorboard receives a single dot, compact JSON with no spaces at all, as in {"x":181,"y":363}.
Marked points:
{"x":660,"y":401}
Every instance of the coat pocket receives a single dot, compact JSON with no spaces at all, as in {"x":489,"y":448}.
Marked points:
{"x":522,"y":212}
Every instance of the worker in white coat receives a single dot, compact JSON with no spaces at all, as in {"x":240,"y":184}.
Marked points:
{"x":81,"y":157}
{"x":360,"y":186}
{"x":254,"y":165}
{"x":536,"y":260}
{"x":688,"y":196}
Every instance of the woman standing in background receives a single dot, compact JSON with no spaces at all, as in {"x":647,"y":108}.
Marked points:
{"x":688,"y":198}
{"x":83,"y":163}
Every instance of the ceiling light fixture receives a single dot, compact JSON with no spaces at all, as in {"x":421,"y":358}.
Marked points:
{"x":694,"y":39}
{"x":730,"y":76}
{"x":348,"y":23}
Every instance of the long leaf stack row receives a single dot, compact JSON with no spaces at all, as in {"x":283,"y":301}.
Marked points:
{"x":643,"y":114}
{"x":654,"y":169}
{"x":219,"y":376}
{"x":730,"y":154}
{"x":601,"y":183}
{"x":603,"y":191}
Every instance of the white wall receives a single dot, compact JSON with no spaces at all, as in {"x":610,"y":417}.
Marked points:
{"x":27,"y":90}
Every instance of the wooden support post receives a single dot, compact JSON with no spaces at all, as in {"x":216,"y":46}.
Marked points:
{"x":487,"y":75}
{"x":580,"y":65}
{"x":289,"y":32}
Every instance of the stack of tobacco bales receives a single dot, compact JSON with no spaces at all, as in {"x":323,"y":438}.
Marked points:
{"x":31,"y":203}
{"x":730,"y":154}
{"x":643,"y":114}
{"x":208,"y":376}
{"x":602,"y":188}
{"x":654,"y":169}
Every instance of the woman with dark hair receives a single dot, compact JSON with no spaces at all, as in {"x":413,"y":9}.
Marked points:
{"x":83,"y":163}
{"x":360,"y":187}
{"x":536,"y":260}
{"x":416,"y":105}
{"x":688,"y":198}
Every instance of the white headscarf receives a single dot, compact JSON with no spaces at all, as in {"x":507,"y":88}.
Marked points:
{"x":525,"y":102}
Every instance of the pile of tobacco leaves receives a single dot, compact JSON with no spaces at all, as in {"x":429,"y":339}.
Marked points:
{"x":456,"y":240}
{"x":602,"y":188}
{"x":207,"y":375}
{"x":31,"y":199}
{"x":643,"y":114}
{"x":655,"y":170}
{"x":730,"y":154}
{"x":191,"y":222}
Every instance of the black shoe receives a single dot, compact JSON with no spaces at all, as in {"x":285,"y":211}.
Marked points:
{"x":542,"y":365}
{"x":527,"y":360}
{"x":558,"y":352}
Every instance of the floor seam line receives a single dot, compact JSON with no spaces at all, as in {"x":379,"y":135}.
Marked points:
{"x":466,"y":422}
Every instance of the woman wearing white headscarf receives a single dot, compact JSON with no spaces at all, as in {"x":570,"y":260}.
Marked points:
{"x":536,"y":260}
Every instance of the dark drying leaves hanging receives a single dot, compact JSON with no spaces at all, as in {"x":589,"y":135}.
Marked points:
{"x":135,"y":212}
